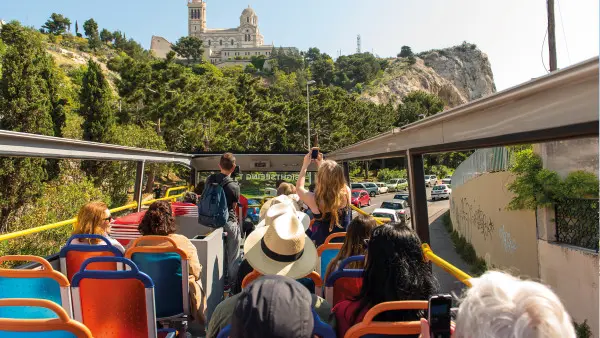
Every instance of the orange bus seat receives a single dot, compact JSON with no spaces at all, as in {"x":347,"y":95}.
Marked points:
{"x":59,"y":326}
{"x":313,"y":276}
{"x":72,"y":256}
{"x":370,"y":327}
{"x":44,"y":283}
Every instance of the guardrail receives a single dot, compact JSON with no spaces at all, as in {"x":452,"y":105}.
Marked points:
{"x":133,"y":205}
{"x":170,"y":190}
{"x":449,"y":268}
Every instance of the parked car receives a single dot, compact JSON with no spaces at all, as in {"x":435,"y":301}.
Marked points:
{"x":403,"y":196}
{"x":441,"y":191}
{"x":370,"y":187}
{"x":447,"y":180}
{"x":382,"y":187}
{"x":430,"y":180}
{"x":397,"y":184}
{"x":387,"y":213}
{"x":360,"y":197}
{"x":400,"y":206}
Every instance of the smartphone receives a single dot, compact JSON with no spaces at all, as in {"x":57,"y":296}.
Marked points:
{"x":236,"y":171}
{"x":439,"y":316}
{"x":314,"y":153}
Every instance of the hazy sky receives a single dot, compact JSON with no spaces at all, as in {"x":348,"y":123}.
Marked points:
{"x":511,"y":32}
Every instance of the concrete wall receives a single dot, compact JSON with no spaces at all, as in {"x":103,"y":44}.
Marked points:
{"x":160,"y":47}
{"x":570,"y":155}
{"x":506,"y":239}
{"x":572,"y":273}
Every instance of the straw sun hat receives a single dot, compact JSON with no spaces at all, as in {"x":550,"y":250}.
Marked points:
{"x":281,"y":247}
{"x":283,"y":199}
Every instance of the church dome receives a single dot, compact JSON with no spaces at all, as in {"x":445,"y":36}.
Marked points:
{"x":248,"y":12}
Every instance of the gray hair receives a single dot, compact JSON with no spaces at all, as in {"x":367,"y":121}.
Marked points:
{"x":499,"y":305}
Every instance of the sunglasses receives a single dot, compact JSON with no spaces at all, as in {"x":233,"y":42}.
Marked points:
{"x":109,"y":218}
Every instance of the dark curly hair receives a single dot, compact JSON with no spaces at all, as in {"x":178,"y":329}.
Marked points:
{"x":158,"y":220}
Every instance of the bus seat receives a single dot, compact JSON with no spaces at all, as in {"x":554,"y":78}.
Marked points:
{"x":168,"y":267}
{"x":47,"y":284}
{"x":320,"y":329}
{"x":114,"y":303}
{"x":327,"y":252}
{"x":313,"y":277}
{"x":167,"y":333}
{"x":59,"y":325}
{"x":344,"y":283}
{"x":73,"y":255}
{"x":125,"y":229}
{"x":387,"y":329}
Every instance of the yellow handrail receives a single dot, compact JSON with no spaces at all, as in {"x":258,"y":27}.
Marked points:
{"x":379,"y":220}
{"x":25,"y":232}
{"x":451,"y":269}
{"x":168,"y":193}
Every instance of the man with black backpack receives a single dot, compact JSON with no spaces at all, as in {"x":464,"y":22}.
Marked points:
{"x":217,"y":209}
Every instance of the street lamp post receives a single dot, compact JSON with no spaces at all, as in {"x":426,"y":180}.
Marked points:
{"x":311,"y":82}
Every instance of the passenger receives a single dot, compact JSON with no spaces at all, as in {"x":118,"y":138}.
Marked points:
{"x":499,"y":305}
{"x":232,"y":195}
{"x":358,"y":231}
{"x":94,"y":219}
{"x":190,"y":197}
{"x":282,"y":215}
{"x":273,"y":307}
{"x":159,"y":220}
{"x":331,"y":200}
{"x":279,"y":199}
{"x":199,"y":189}
{"x":394,"y":271}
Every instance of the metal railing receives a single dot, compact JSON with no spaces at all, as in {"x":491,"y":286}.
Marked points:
{"x":577,"y":222}
{"x":482,"y":161}
{"x":183,"y":187}
{"x":71,"y":221}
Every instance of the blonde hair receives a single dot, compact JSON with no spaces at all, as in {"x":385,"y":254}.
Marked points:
{"x":286,"y":189}
{"x":90,"y":220}
{"x":499,"y":305}
{"x":358,"y":230}
{"x":331,"y":192}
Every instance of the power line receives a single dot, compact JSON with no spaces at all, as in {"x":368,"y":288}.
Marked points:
{"x":542,"y":51}
{"x":562,"y":25}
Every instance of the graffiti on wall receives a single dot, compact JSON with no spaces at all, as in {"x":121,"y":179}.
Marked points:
{"x":509,"y":244}
{"x":470,"y":216}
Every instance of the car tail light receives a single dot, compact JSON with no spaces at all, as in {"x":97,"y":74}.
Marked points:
{"x":401,"y":211}
{"x":445,"y":190}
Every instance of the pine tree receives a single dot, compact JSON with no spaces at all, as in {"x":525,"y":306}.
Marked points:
{"x":26,"y":107}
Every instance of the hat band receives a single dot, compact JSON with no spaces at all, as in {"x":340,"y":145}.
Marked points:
{"x":279,"y":257}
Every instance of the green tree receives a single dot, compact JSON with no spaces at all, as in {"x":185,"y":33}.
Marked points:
{"x":405,"y":52}
{"x":106,"y":36}
{"x":258,"y":61}
{"x":416,"y":105}
{"x":57,"y":24}
{"x":356,"y":68}
{"x":189,"y":47}
{"x":77,"y":29}
{"x":90,"y":28}
{"x":25,"y":107}
{"x":96,"y":101}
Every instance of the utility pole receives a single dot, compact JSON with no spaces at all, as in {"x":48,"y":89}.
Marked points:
{"x":551,"y":35}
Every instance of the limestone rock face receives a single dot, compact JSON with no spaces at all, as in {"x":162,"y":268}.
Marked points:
{"x":457,"y":75}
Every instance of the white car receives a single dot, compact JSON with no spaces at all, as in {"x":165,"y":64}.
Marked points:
{"x":430,"y":180}
{"x":397,"y":184}
{"x":382,"y":187}
{"x":441,"y":191}
{"x":447,"y":180}
{"x":387,"y":213}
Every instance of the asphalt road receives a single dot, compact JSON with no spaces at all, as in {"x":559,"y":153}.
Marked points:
{"x":434,"y":208}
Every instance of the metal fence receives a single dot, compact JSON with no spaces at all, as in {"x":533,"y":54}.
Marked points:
{"x":577,"y":222}
{"x":482,"y":161}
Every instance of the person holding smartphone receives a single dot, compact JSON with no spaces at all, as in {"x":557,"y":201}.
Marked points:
{"x":330,"y":202}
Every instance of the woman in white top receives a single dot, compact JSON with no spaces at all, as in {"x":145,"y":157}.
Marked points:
{"x":94,"y":219}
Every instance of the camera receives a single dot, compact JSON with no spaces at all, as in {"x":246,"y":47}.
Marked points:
{"x":235,"y":172}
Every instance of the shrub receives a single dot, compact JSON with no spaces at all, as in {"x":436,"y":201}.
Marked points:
{"x":464,"y":248}
{"x":386,"y":174}
{"x":582,"y":330}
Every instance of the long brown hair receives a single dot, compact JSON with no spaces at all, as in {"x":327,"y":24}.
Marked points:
{"x":91,"y":220}
{"x":331,"y":191}
{"x":358,"y":230}
{"x":158,"y":220}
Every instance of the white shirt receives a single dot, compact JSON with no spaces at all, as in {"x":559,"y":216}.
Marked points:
{"x":112,"y":241}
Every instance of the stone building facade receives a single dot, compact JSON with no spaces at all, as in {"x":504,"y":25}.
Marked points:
{"x":222,"y":46}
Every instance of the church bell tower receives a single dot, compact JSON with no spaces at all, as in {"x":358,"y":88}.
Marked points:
{"x":196,"y":17}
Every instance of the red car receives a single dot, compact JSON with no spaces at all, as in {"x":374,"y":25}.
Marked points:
{"x":360,"y":197}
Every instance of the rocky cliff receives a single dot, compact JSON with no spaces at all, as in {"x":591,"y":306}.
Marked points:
{"x":457,"y":75}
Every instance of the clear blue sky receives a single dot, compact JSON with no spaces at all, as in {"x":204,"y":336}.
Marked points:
{"x":510,"y":31}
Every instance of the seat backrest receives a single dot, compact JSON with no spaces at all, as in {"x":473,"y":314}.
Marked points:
{"x":370,"y":327}
{"x":326,"y":253}
{"x":114,"y":303}
{"x":59,"y":326}
{"x":168,"y":267}
{"x":344,"y":283}
{"x":320,"y":328}
{"x":72,"y":256}
{"x":312,"y":276}
{"x":46,"y":284}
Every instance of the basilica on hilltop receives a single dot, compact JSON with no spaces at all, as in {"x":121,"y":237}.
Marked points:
{"x":222,"y":46}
